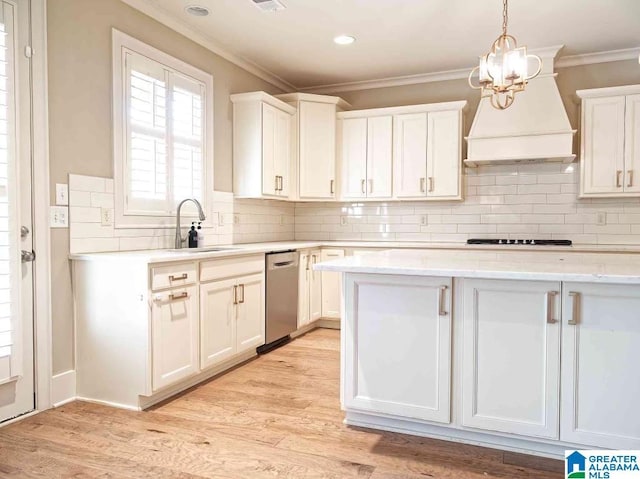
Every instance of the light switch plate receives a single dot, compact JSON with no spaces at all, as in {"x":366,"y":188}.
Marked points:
{"x":62,"y":194}
{"x":344,"y":220}
{"x":106,"y":216}
{"x":59,"y":217}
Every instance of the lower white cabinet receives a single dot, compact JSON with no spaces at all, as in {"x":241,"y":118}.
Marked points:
{"x":601,"y":365}
{"x":304,"y":281}
{"x":331,"y":286}
{"x":511,"y":356}
{"x":250,"y":313}
{"x":398,"y":348}
{"x":174,"y":325}
{"x":315,"y":287}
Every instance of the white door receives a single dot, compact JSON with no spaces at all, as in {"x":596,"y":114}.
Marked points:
{"x":353,"y":160}
{"x":250,"y":313}
{"x":603,"y":145}
{"x":410,"y":156}
{"x":16,"y":278}
{"x":331,"y":286}
{"x":174,"y":326}
{"x":317,"y":137}
{"x":398,"y":346}
{"x":632,"y":145}
{"x":217,"y":322}
{"x":283,"y":152}
{"x":270,"y":183}
{"x":303,"y":290}
{"x":315,"y":288}
{"x":600,"y":365}
{"x":379,"y":156}
{"x":511,"y":356}
{"x":443,"y":154}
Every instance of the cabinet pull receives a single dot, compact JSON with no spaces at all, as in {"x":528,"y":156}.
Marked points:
{"x":362,"y":186}
{"x":276,"y":187}
{"x":618,"y":175}
{"x":241,"y":293}
{"x":370,"y":186}
{"x":575,"y":314}
{"x":175,"y":297}
{"x":281,"y":183}
{"x":422,"y":182}
{"x":630,"y":173}
{"x":235,"y":294}
{"x":331,"y":186}
{"x":430,"y":184}
{"x":441,"y":301}
{"x":178,"y":278}
{"x":551,"y":303}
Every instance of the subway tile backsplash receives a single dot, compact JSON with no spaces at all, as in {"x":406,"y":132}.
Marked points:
{"x":507,"y":201}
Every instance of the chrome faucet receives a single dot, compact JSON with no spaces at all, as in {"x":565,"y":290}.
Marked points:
{"x":179,"y":238}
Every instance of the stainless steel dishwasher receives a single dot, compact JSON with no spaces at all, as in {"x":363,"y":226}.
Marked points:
{"x":282,"y":298}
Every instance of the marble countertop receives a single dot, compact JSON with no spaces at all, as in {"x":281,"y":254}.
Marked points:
{"x":186,"y":254}
{"x":503,"y":264}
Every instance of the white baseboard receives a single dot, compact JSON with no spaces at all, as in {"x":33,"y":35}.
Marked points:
{"x":327,"y":323}
{"x":63,"y":388}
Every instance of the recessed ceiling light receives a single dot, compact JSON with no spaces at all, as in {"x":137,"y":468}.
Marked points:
{"x":197,"y":10}
{"x":344,"y":39}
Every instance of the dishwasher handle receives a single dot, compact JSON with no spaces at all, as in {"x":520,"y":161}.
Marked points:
{"x":283,"y":264}
{"x":287,"y":259}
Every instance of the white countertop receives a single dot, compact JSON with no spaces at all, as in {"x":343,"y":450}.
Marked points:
{"x":163,"y":256}
{"x":503,"y":264}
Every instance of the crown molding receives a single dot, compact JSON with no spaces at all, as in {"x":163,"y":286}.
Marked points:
{"x":598,"y":57}
{"x":177,"y":25}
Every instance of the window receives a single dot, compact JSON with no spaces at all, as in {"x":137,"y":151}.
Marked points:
{"x":163,"y":133}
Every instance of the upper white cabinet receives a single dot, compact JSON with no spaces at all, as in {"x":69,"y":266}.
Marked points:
{"x":261,"y":146}
{"x":314,"y":144}
{"x":366,"y":156}
{"x":610,"y":142}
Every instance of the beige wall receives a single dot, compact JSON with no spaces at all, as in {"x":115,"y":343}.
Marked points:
{"x":79,"y":54}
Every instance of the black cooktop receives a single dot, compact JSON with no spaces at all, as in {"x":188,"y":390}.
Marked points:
{"x":517,"y":242}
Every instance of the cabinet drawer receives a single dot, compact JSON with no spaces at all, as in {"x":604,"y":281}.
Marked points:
{"x":230,"y":267}
{"x":173,"y":276}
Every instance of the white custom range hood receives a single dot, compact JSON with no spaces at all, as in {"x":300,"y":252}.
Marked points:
{"x":534,"y":128}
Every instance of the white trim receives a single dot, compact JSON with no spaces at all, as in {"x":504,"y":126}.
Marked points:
{"x":609,"y":91}
{"x":63,"y":388}
{"x":41,"y":236}
{"x":265,"y":98}
{"x":210,"y":44}
{"x":598,"y":57}
{"x":400,"y":110}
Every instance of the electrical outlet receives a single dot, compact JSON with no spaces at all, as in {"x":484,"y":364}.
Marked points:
{"x":236,"y":219}
{"x":62,"y":194}
{"x":602,"y":218}
{"x":106,"y":216}
{"x":423,"y":220}
{"x":344,"y":220}
{"x":59,"y":217}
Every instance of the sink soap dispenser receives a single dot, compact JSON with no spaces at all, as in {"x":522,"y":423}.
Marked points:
{"x":200,"y":235}
{"x":193,"y":236}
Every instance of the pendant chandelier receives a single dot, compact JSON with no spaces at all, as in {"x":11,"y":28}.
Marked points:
{"x":503,"y":71}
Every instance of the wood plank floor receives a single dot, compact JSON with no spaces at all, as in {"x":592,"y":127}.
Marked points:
{"x":277,"y":416}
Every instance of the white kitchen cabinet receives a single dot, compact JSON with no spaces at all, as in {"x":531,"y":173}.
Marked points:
{"x":314,"y":144}
{"x":331,"y":286}
{"x":410,"y":155}
{"x":600,"y":359}
{"x":217,"y":322}
{"x":261,"y":146}
{"x":174,"y":322}
{"x":315,"y":288}
{"x":304,"y":281}
{"x":511,"y":356}
{"x":250,"y":313}
{"x":366,"y":157}
{"x":610,"y":156}
{"x":397,"y":356}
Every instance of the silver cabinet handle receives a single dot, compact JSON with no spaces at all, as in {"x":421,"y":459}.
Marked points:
{"x":422,"y":182}
{"x":370,"y":186}
{"x":178,"y":278}
{"x":235,"y":294}
{"x":441,"y":301}
{"x":630,"y":173}
{"x":430,"y":184}
{"x":331,"y":186}
{"x":175,"y":297}
{"x":618,"y":175}
{"x":575,"y":315}
{"x":241,"y":293}
{"x":364,"y":191}
{"x":551,"y":303}
{"x":276,"y":187}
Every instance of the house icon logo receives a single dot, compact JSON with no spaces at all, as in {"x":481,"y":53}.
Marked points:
{"x":576,"y":465}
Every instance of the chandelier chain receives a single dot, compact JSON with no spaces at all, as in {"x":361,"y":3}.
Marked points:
{"x":505,"y":16}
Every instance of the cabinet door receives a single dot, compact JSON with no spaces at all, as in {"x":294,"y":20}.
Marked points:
{"x":269,"y":153}
{"x":303,"y":290}
{"x":632,"y":144}
{"x":331,"y":286}
{"x":283,"y":152}
{"x":410,"y":156}
{"x":315,"y":289}
{"x":443,"y":154}
{"x":217,"y":322}
{"x":379,"y":156}
{"x":511,"y":356}
{"x":353,"y":160}
{"x":317,"y":137}
{"x":250,"y":313}
{"x":600,"y":359}
{"x":603,"y":145}
{"x":174,"y":336}
{"x":398,"y":346}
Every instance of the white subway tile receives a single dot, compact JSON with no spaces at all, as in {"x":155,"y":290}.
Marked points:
{"x":79,"y":198}
{"x":543,"y":219}
{"x":87,"y":183}
{"x":102,"y":200}
{"x":81,"y":214}
{"x":538,"y":189}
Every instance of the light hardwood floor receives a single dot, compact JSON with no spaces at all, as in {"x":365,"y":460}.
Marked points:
{"x":277,"y":416}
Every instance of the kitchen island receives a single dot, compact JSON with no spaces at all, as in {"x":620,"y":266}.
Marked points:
{"x":531,"y":352}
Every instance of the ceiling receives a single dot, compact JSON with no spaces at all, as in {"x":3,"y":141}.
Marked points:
{"x":397,"y":37}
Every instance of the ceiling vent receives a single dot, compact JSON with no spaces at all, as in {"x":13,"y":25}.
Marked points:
{"x":269,"y":5}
